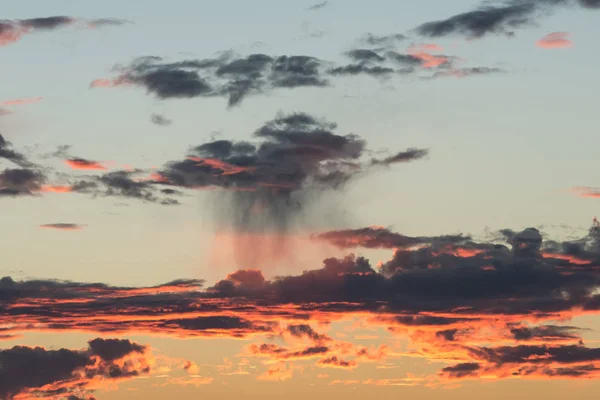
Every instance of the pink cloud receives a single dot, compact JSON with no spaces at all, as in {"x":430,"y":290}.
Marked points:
{"x":20,"y":102}
{"x":555,"y":40}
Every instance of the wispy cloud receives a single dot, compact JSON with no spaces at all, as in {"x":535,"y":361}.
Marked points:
{"x":63,"y":226}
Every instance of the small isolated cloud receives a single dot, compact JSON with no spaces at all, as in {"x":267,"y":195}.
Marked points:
{"x":555,"y":40}
{"x":102,"y":22}
{"x":158,"y":119}
{"x":83,"y":164}
{"x":63,"y":227}
{"x":4,"y":112}
{"x":318,"y":6}
{"x":20,"y":102}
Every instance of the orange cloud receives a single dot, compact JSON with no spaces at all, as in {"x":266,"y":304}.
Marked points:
{"x":227,"y":169}
{"x":555,"y":40}
{"x":430,"y":60}
{"x":584,"y":191}
{"x":10,"y":34}
{"x":82,"y":164}
{"x":56,"y":189}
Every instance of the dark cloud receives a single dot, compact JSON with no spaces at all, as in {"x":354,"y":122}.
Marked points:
{"x":307,"y":331}
{"x":403,"y":156}
{"x":336,"y":362}
{"x":20,"y":182}
{"x":12,"y":30}
{"x":269,"y":183}
{"x":461,"y":370}
{"x":122,"y":184}
{"x":404,"y":59}
{"x":37,"y":372}
{"x":447,"y":292}
{"x":47,"y":23}
{"x":382,"y":40}
{"x":7,"y":153}
{"x":545,"y":332}
{"x":362,"y":68}
{"x":158,"y":119}
{"x":503,"y":18}
{"x":234,"y":78}
{"x":63,"y":226}
{"x":364,"y":55}
{"x":382,"y":238}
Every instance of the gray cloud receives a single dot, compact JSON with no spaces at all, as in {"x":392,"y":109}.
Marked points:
{"x":37,"y":372}
{"x":7,"y":153}
{"x":160,"y":120}
{"x":503,"y":17}
{"x":318,"y":6}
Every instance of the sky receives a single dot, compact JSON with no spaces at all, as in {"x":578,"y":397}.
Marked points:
{"x":326,"y":199}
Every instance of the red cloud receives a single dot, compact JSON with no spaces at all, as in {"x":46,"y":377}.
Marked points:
{"x":82,"y":164}
{"x":555,"y":40}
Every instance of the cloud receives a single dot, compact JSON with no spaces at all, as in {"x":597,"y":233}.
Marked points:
{"x":584,"y":191}
{"x":489,"y":307}
{"x":382,"y":40}
{"x":381,"y":238}
{"x":4,"y":112}
{"x":267,"y":188}
{"x":364,"y":55}
{"x":234,"y":78}
{"x":37,"y":372}
{"x":555,"y":40}
{"x":318,"y":6}
{"x":160,"y":120}
{"x":83,"y":164}
{"x":63,"y":226}
{"x":18,"y":102}
{"x":403,"y":156}
{"x":465,"y":72}
{"x":12,"y":31}
{"x":335,"y":362}
{"x":503,"y":17}
{"x":102,"y":22}
{"x":239,"y":77}
{"x":20,"y":182}
{"x":11,"y":155}
{"x":362,"y":68}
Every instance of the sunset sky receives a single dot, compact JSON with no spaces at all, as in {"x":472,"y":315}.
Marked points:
{"x":337,"y":199}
